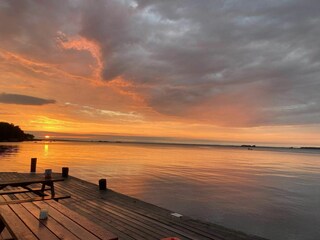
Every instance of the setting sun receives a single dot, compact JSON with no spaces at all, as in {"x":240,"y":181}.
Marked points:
{"x":46,"y":137}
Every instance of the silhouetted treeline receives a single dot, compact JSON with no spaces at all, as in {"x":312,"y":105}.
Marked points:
{"x":12,"y":133}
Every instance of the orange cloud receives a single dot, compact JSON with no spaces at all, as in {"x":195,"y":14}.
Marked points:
{"x":119,"y":84}
{"x":83,"y":44}
{"x":13,"y":58}
{"x":46,"y":69}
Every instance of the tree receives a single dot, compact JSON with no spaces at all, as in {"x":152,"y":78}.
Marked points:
{"x":11,"y":133}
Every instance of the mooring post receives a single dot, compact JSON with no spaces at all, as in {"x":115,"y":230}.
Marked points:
{"x":103,"y":184}
{"x":65,"y":172}
{"x":33,"y":165}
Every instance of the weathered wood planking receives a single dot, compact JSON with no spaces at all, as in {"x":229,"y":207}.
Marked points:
{"x":127,"y":217}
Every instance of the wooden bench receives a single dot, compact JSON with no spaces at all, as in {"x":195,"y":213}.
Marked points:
{"x":22,"y":222}
{"x":24,"y":185}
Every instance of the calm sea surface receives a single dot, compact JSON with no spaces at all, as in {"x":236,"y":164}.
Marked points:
{"x":272,"y":193}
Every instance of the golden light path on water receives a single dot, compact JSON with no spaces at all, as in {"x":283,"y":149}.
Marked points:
{"x":273,"y":193}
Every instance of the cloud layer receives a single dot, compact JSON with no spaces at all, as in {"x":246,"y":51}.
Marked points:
{"x":9,"y":98}
{"x":229,"y":63}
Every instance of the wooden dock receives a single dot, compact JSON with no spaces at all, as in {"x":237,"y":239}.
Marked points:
{"x":127,"y":217}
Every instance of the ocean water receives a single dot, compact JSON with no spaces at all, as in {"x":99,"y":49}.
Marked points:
{"x":273,"y":193}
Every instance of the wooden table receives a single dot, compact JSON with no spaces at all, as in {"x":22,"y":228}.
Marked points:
{"x":22,"y":222}
{"x":29,"y":180}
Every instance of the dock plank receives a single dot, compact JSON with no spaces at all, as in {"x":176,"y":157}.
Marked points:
{"x":32,"y":223}
{"x":56,"y":227}
{"x":13,"y":220}
{"x":85,"y":223}
{"x":137,"y":225}
{"x":123,"y":229}
{"x":167,"y":220}
{"x":130,"y":218}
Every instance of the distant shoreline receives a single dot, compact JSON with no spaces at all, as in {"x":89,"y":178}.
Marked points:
{"x":247,"y":146}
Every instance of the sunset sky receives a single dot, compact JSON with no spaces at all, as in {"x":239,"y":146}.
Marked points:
{"x":221,"y":71}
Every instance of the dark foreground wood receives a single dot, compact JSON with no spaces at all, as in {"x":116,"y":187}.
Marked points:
{"x":130,"y":218}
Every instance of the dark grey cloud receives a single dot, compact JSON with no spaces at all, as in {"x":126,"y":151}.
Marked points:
{"x":9,"y":98}
{"x":30,"y":27}
{"x":226,"y":62}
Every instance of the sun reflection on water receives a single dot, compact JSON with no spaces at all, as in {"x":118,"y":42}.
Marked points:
{"x":46,"y":149}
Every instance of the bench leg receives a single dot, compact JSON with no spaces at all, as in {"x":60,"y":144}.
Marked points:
{"x":43,"y":188}
{"x":52,"y":189}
